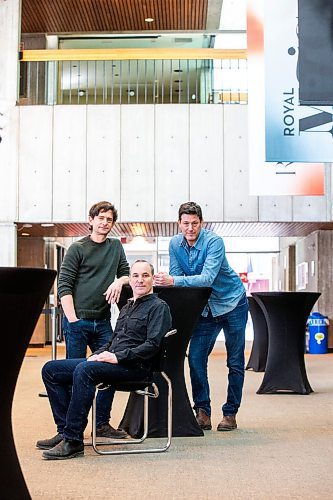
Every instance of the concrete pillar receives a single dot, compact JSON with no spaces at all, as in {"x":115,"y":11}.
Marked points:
{"x":52,"y":71}
{"x":8,"y":238}
{"x":9,"y":43}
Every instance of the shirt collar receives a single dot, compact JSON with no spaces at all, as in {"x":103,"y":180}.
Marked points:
{"x":142,"y":299}
{"x":198,"y":244}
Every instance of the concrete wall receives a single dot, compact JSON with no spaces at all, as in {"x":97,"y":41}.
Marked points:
{"x":147,"y":159}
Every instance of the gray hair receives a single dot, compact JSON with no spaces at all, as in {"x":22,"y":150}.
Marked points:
{"x":146,"y":262}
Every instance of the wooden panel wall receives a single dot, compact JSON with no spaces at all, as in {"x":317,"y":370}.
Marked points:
{"x":31,"y":253}
{"x":112,"y":15}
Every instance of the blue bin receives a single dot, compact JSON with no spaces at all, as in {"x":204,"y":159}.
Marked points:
{"x":318,"y":333}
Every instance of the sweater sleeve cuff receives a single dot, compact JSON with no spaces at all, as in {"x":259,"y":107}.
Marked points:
{"x":64,"y":292}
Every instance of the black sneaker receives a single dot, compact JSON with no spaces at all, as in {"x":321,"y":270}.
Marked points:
{"x":47,"y":444}
{"x":107,"y":431}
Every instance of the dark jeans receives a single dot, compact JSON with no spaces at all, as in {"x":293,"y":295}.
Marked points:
{"x":70,"y":408}
{"x":92,"y":333}
{"x":201,"y":345}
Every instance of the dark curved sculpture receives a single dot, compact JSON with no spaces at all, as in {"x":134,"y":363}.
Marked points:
{"x":286,"y":314}
{"x":23,"y":292}
{"x":186,"y":305}
{"x":258,"y":356}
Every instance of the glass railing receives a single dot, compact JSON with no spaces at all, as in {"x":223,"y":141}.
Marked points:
{"x":132,"y":81}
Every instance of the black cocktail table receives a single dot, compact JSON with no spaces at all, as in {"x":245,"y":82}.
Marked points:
{"x":286,"y":314}
{"x":186,"y":305}
{"x":258,"y":356}
{"x":23,"y":292}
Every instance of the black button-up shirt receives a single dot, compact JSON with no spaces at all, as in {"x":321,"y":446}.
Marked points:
{"x":140,"y":327}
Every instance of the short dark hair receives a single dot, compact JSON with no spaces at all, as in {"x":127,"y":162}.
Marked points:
{"x":146,"y":262}
{"x":103,"y":206}
{"x":190,"y":208}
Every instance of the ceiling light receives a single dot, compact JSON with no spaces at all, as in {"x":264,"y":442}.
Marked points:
{"x":82,"y":93}
{"x":149,"y":20}
{"x":47,"y":224}
{"x":25,"y":234}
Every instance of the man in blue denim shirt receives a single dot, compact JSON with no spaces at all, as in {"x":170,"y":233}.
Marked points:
{"x":197,"y":258}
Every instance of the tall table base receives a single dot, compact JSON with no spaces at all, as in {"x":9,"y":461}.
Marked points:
{"x":258,"y":356}
{"x":186,"y":305}
{"x":23,"y":292}
{"x":286,"y":314}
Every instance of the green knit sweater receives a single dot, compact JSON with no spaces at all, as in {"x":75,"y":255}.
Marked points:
{"x":86,"y":272}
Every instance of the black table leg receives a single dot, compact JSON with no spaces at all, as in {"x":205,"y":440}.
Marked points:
{"x":186,"y":305}
{"x":258,"y":356}
{"x":286,"y":314}
{"x":22,"y":295}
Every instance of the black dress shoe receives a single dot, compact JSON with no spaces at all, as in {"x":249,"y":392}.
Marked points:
{"x":46,"y":444}
{"x":65,"y":449}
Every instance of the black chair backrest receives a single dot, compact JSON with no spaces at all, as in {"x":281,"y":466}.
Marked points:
{"x":158,"y":361}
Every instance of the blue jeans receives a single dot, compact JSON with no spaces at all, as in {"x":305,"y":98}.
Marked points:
{"x":201,"y":345}
{"x":70,"y":385}
{"x":92,"y":333}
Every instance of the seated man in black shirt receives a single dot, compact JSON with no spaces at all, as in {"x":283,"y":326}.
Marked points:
{"x":141,"y":325}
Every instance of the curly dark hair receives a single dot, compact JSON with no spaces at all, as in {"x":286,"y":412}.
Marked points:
{"x":103,"y":206}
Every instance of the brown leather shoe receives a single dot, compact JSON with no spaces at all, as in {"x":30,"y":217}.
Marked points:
{"x":203,"y":420}
{"x":228,"y":423}
{"x":107,"y":431}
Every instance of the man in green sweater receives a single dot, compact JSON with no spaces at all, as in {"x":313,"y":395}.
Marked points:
{"x":91,"y":277}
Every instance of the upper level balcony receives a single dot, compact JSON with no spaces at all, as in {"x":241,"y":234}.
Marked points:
{"x":133,"y":76}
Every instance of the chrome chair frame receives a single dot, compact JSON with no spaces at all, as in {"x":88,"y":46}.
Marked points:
{"x":146,"y":393}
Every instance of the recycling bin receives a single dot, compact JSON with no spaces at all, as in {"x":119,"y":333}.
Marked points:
{"x":318,"y":333}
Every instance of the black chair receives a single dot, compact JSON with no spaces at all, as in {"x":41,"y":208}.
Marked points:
{"x":147,"y":389}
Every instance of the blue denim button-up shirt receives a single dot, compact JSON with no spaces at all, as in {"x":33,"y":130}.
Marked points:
{"x":205,"y":264}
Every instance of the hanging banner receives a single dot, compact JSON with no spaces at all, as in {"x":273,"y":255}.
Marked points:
{"x":315,"y":69}
{"x":293,"y":132}
{"x":278,"y":167}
